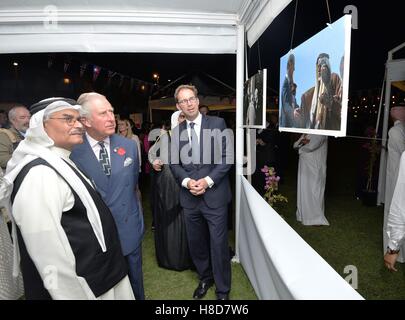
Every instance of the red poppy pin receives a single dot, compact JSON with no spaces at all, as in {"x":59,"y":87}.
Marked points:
{"x":121,"y":151}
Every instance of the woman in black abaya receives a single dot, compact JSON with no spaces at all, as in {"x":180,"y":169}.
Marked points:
{"x":170,"y":231}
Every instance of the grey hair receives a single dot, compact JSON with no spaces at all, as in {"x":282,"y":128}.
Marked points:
{"x":185,"y":86}
{"x":13,"y":112}
{"x":85,"y":101}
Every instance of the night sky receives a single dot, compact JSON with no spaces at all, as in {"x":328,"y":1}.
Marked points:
{"x":380,"y":28}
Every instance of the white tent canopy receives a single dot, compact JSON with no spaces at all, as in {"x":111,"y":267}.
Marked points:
{"x":175,"y":26}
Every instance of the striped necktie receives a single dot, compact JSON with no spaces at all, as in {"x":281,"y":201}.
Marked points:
{"x":104,"y":160}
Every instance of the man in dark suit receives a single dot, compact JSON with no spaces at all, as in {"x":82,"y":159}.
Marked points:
{"x":202,"y":172}
{"x":112,"y":162}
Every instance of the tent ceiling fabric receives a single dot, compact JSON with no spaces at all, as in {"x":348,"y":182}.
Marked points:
{"x":176,"y":26}
{"x":224,"y":6}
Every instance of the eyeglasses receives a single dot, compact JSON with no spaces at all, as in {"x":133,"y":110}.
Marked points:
{"x":70,"y":120}
{"x":184,"y":102}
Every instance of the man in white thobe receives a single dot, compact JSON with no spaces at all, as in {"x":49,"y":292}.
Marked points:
{"x":312,"y":150}
{"x":396,"y":146}
{"x":65,"y":234}
{"x":396,"y":220}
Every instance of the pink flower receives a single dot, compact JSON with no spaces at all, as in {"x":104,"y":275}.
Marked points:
{"x":271,"y":186}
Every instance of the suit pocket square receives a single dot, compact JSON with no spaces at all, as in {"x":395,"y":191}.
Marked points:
{"x":127,"y":162}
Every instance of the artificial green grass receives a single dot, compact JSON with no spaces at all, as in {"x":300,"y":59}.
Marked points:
{"x":354,"y":237}
{"x":163,"y":284}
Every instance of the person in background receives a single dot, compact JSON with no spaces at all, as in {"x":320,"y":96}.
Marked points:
{"x":19,"y":117}
{"x":204,"y":109}
{"x":10,"y":137}
{"x":396,"y":219}
{"x":3,"y":119}
{"x":112,"y":162}
{"x":145,"y":142}
{"x":396,"y":146}
{"x":265,"y":155}
{"x":124,"y":129}
{"x":11,"y":288}
{"x":313,"y":151}
{"x":68,"y":242}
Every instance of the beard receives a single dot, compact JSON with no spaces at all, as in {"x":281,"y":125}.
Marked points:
{"x":24,"y":127}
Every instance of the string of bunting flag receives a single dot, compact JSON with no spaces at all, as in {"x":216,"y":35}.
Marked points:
{"x":94,"y":71}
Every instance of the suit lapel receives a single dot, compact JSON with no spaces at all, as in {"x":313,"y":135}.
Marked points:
{"x":182,"y":127}
{"x":117,"y":161}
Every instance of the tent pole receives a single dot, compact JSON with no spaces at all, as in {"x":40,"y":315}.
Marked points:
{"x":150,"y":110}
{"x":240,"y":58}
{"x":383,"y":155}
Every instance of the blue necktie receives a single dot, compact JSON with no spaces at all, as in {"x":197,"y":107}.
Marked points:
{"x":195,"y":147}
{"x":104,"y":160}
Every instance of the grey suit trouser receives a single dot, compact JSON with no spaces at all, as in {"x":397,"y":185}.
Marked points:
{"x":134,"y":261}
{"x":207,"y":233}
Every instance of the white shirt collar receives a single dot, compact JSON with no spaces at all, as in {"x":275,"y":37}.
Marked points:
{"x":93,"y":142}
{"x":63,"y":153}
{"x":197,"y":120}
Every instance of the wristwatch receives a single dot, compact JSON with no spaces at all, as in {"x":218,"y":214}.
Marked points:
{"x":391,"y":251}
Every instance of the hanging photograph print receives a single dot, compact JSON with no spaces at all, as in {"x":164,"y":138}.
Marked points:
{"x":314,"y":83}
{"x":254,"y":101}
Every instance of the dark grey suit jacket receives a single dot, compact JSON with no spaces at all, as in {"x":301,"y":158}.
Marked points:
{"x":216,"y":158}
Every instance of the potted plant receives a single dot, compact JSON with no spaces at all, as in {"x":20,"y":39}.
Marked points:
{"x":272,"y":196}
